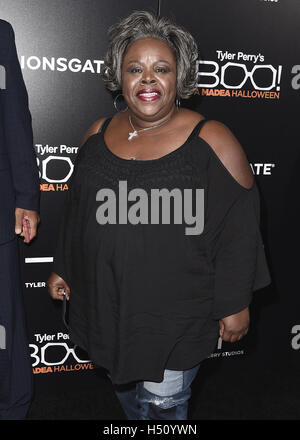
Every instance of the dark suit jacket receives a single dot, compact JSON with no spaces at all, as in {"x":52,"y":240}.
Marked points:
{"x":19,"y":178}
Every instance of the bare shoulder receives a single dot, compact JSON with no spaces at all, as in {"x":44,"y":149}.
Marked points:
{"x":93,"y":129}
{"x":190,"y":116}
{"x":228,"y":149}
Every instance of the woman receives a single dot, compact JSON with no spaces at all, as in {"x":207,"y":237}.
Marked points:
{"x":149,"y":296}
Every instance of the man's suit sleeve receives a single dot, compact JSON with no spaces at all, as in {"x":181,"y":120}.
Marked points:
{"x":18,"y":133}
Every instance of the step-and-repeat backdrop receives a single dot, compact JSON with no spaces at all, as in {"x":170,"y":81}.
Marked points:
{"x":248,"y":78}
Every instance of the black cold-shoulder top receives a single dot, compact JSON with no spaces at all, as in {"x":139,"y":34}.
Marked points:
{"x":146,"y":294}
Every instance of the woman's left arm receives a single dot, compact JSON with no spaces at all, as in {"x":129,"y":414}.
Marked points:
{"x":240,"y":262}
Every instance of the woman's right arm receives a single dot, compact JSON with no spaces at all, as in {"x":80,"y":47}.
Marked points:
{"x":56,"y":285}
{"x":92,"y":130}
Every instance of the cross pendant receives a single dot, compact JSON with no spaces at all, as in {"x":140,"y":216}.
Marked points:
{"x":132,"y":134}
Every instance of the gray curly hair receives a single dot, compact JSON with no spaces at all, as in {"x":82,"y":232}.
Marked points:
{"x":142,"y":24}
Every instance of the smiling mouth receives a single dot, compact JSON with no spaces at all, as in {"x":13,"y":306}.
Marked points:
{"x":148,"y":96}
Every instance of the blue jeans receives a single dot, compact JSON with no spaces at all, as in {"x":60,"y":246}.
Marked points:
{"x":166,"y":400}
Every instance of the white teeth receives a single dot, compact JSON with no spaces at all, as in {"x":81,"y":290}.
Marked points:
{"x":148,"y":95}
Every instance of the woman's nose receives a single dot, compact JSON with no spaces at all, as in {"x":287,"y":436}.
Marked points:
{"x":148,"y":77}
{"x":146,"y":81}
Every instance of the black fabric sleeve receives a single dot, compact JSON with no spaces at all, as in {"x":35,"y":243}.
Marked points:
{"x":62,"y":252}
{"x":67,"y":226}
{"x":18,"y":133}
{"x":240,"y":262}
{"x":68,"y":236}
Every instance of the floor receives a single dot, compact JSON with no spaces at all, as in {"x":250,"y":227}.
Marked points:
{"x":217,"y":394}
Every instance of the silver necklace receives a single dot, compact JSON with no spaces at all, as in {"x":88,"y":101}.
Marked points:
{"x":135,"y":132}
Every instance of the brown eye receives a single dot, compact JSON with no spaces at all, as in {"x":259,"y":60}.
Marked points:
{"x":134,"y":69}
{"x":162,"y":69}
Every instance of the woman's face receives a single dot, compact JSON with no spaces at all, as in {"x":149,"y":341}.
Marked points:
{"x":149,"y":65}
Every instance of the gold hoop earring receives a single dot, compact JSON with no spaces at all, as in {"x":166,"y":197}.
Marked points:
{"x":115,"y":105}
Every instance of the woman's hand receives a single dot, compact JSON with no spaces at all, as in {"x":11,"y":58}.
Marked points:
{"x":235,"y":327}
{"x":57,"y":286}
